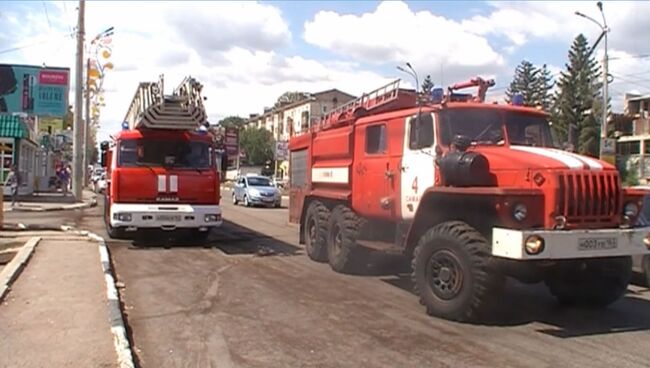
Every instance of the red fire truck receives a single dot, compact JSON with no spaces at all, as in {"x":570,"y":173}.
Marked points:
{"x":472,"y":191}
{"x":161,"y":168}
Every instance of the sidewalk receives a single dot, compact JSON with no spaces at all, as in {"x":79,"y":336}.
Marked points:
{"x":55,"y":314}
{"x":50,"y":202}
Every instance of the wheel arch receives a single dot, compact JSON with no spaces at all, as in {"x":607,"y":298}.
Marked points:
{"x":477,"y":210}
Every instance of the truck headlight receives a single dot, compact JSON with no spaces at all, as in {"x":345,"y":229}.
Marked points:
{"x":631,"y":209}
{"x":126,"y":217}
{"x":534,"y":245}
{"x":520,"y":212}
{"x":212,"y":217}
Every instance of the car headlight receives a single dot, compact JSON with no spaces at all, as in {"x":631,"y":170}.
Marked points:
{"x":254,"y":192}
{"x":520,"y":212}
{"x":631,"y":209}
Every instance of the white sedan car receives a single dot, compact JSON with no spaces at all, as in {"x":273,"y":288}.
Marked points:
{"x":101,"y":184}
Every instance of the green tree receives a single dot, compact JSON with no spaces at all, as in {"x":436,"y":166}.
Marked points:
{"x":525,"y":82}
{"x":542,"y":87}
{"x":232,"y":121}
{"x":290,"y":97}
{"x":576,"y":109}
{"x":427,"y":85}
{"x":257,"y":143}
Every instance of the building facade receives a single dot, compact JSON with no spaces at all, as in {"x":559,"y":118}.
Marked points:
{"x":288,"y":119}
{"x":633,"y":150}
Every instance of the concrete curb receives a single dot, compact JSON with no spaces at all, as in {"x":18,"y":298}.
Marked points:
{"x":77,"y":206}
{"x":120,"y":339}
{"x":13,"y":269}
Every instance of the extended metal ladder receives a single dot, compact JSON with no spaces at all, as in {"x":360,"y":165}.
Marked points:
{"x":368,"y":101}
{"x":182,"y":110}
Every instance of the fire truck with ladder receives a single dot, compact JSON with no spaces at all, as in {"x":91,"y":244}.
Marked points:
{"x":161,"y":168}
{"x":473,"y":192}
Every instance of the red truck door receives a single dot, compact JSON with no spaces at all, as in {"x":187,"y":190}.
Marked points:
{"x":372,"y":180}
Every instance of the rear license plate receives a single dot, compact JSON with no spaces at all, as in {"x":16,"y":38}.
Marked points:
{"x":170,"y":218}
{"x":597,"y":243}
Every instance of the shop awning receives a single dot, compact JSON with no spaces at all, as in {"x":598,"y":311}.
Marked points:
{"x":12,"y":127}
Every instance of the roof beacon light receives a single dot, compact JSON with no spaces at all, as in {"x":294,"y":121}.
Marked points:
{"x":437,"y":94}
{"x":518,"y":99}
{"x":125,"y":125}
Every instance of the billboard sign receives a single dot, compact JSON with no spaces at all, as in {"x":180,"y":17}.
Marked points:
{"x":34,"y":90}
{"x":49,"y":125}
{"x":231,"y":142}
{"x":281,"y":151}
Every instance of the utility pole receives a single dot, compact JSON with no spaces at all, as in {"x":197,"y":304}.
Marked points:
{"x":78,"y":146}
{"x":86,"y":125}
{"x":604,"y":31}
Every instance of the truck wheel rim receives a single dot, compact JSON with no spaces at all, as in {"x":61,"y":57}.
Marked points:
{"x":445,"y":274}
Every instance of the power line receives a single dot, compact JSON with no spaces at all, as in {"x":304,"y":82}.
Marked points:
{"x":47,"y":15}
{"x":18,"y":48}
{"x":640,"y":56}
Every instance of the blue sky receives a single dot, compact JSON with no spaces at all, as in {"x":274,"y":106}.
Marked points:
{"x":247,"y":54}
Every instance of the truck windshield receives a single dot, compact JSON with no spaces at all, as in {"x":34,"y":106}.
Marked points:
{"x":164,"y":153}
{"x":491,"y":127}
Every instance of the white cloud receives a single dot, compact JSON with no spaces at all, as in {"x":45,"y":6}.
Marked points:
{"x":395,"y":33}
{"x":522,"y":21}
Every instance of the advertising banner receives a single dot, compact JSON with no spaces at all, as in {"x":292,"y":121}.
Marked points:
{"x":281,"y":151}
{"x":49,"y":125}
{"x":34,"y":90}
{"x":231,"y":142}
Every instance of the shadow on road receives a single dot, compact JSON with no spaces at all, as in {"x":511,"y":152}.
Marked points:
{"x":521,"y":304}
{"x":230,"y":238}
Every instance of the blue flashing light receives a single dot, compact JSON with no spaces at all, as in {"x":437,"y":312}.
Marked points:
{"x":518,"y":99}
{"x":437,"y":94}
{"x":125,"y":125}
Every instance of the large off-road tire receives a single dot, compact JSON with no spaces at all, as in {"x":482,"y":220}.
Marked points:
{"x":315,"y":231}
{"x":646,"y":269}
{"x":592,"y":283}
{"x":453,"y":272}
{"x":343,"y":252}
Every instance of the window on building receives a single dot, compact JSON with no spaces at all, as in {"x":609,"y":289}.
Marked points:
{"x":324,"y":109}
{"x":376,"y":139}
{"x":628,"y":148}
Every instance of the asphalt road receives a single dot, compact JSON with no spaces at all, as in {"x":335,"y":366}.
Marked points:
{"x":252,"y":298}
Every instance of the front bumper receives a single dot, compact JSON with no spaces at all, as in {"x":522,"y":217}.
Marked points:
{"x":266,"y":201}
{"x":166,"y":217}
{"x":570,"y":244}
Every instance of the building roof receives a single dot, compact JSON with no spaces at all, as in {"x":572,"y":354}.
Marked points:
{"x":12,"y":127}
{"x":637,"y":98}
{"x":310,"y":97}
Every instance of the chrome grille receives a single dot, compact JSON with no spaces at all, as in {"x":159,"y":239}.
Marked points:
{"x":589,"y":197}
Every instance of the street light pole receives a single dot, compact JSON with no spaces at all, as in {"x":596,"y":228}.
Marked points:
{"x":78,"y":145}
{"x":603,"y":27}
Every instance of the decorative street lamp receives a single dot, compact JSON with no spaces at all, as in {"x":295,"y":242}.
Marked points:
{"x":605,"y":29}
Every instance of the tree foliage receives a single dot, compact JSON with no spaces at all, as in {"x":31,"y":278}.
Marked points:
{"x":576,"y":115}
{"x":290,"y":97}
{"x":232,"y":121}
{"x":257,"y":143}
{"x":533,"y":84}
{"x":427,"y":85}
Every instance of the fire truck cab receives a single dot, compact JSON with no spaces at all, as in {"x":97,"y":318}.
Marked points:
{"x":162,"y":167}
{"x":472,"y":191}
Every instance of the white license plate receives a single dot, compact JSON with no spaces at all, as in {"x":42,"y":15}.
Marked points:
{"x":268,"y":199}
{"x":597,"y":243}
{"x":170,"y":218}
